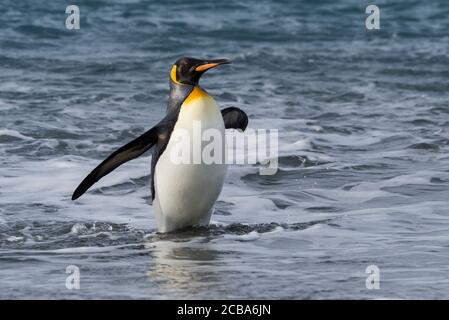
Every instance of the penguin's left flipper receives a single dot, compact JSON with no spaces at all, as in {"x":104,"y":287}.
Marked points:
{"x":128,"y":152}
{"x":234,"y":118}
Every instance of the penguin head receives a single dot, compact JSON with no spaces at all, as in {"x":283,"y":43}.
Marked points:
{"x":189,"y":70}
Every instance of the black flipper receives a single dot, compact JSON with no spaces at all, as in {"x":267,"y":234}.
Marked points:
{"x":128,"y":152}
{"x":234,"y":118}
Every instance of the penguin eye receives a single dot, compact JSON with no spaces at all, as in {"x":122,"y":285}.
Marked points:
{"x":187,"y":70}
{"x":192,"y":69}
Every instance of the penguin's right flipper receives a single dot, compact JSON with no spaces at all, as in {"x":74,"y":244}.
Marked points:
{"x":234,"y":118}
{"x":128,"y":152}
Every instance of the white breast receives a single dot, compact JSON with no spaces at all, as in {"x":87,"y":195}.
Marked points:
{"x":186,"y":192}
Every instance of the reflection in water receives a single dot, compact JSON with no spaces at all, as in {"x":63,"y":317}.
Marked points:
{"x":190,"y":258}
{"x":178,"y":264}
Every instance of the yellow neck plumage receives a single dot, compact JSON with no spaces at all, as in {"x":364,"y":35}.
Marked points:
{"x":173,"y":75}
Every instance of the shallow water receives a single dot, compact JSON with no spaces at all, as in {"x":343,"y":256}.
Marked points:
{"x":363,"y":121}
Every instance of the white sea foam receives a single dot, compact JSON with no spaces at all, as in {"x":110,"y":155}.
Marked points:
{"x":83,"y":250}
{"x":14,"y":239}
{"x":53,"y":181}
{"x":252,"y":236}
{"x":14,"y":87}
{"x":14,"y":133}
{"x":4,"y":106}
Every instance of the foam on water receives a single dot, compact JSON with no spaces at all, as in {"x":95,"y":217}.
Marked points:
{"x":14,"y":133}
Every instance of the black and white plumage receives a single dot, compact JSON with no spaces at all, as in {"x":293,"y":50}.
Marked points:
{"x":183,"y":194}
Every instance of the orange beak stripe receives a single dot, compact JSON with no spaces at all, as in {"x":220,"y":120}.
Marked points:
{"x":206,"y":66}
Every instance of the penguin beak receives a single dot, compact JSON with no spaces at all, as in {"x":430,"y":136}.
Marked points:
{"x":209,"y":64}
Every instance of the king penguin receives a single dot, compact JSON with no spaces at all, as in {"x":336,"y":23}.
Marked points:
{"x":183,"y":193}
